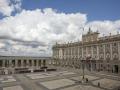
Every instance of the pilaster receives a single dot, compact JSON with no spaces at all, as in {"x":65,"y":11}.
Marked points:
{"x":104,"y":51}
{"x":3,"y":64}
{"x":111,"y":54}
{"x":92,"y":51}
{"x":98,"y":52}
{"x":16,"y":63}
{"x":119,"y":50}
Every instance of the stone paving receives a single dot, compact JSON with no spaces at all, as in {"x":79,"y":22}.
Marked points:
{"x":57,"y":83}
{"x":17,"y":87}
{"x":107,"y":83}
{"x":79,"y":78}
{"x":6,"y":79}
{"x":81,"y":87}
{"x":57,"y":80}
{"x":51,"y":74}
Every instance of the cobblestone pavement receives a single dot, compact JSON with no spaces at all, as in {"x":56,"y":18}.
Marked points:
{"x":62,"y":79}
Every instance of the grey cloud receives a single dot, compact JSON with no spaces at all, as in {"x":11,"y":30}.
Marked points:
{"x":33,"y":44}
{"x":4,"y":49}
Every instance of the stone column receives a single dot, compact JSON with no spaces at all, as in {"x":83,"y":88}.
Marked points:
{"x":68,"y":56}
{"x":111,"y":51}
{"x":41,"y":63}
{"x":73,"y":53}
{"x":118,"y":68}
{"x":97,"y":64}
{"x":37,"y":61}
{"x":119,"y":50}
{"x":57,"y":57}
{"x":3,"y":63}
{"x":68,"y":62}
{"x":62,"y":54}
{"x":32,"y":63}
{"x":78,"y":52}
{"x":92,"y":51}
{"x":16,"y":63}
{"x":91,"y":66}
{"x":86,"y":51}
{"x":91,"y":63}
{"x":10,"y":63}
{"x":7,"y":62}
{"x":82,"y":52}
{"x":70,"y":53}
{"x":77,"y":49}
{"x":22,"y":63}
{"x":27,"y":62}
{"x":104,"y":51}
{"x":97,"y":52}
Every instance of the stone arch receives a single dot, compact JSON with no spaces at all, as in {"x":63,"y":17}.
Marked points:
{"x":19,"y":63}
{"x":13,"y":63}
{"x":24,"y":63}
{"x":39,"y":63}
{"x":30,"y":62}
{"x":35,"y":62}
{"x":6,"y":63}
{"x":44,"y":63}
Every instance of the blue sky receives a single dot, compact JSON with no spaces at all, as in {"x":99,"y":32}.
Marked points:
{"x":95,"y":9}
{"x":32,"y":27}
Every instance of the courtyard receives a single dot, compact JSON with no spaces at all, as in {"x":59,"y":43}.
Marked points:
{"x":57,"y":80}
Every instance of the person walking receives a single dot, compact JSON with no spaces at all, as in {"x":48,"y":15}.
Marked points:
{"x":98,"y":84}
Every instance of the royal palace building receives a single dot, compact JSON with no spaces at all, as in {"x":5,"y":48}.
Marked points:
{"x":94,"y":52}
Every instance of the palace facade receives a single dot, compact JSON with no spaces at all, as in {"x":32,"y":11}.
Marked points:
{"x":94,"y":52}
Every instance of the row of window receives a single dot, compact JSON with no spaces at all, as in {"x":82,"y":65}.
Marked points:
{"x":77,"y":51}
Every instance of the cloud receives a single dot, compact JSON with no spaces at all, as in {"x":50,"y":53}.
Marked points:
{"x":105,"y":27}
{"x":9,"y":6}
{"x":22,"y":42}
{"x":33,"y":32}
{"x":36,"y":31}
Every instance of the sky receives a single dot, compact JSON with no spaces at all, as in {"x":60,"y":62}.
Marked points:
{"x":32,"y":27}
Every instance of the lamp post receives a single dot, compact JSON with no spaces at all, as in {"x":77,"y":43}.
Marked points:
{"x":83,"y":68}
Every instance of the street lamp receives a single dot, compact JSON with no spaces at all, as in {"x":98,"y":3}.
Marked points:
{"x":83,"y":72}
{"x":83,"y":68}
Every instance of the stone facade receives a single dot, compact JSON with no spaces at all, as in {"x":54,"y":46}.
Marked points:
{"x":96,"y":53}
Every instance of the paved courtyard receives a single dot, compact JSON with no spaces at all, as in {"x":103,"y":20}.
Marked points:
{"x":57,"y":83}
{"x":5,"y":79}
{"x":17,"y":87}
{"x":57,"y":80}
{"x":107,"y":83}
{"x":50,"y":74}
{"x":82,"y":87}
{"x":79,"y":78}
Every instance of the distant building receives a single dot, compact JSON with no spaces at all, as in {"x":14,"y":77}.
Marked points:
{"x":10,"y":63}
{"x":97,"y":53}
